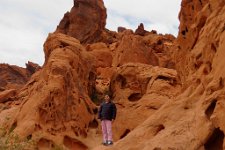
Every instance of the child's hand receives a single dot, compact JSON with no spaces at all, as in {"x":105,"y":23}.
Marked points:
{"x":112,"y":120}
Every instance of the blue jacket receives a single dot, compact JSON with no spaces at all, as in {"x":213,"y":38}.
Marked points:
{"x":107,"y":111}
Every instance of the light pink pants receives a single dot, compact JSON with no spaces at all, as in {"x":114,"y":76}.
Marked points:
{"x":107,"y":130}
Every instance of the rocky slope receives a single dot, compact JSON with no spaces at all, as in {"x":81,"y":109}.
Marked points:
{"x":14,"y":77}
{"x":169,"y":91}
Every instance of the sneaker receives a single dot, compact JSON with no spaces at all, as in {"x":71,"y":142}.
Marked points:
{"x":105,"y":143}
{"x":110,"y":143}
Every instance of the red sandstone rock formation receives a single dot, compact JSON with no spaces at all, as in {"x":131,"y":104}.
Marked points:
{"x":139,"y":90}
{"x":132,"y":48}
{"x":141,"y":30}
{"x":121,"y":29}
{"x":32,"y":67}
{"x":193,"y":119}
{"x":158,"y":107}
{"x":102,"y":54}
{"x":14,"y":77}
{"x":55,"y":102}
{"x":85,"y":22}
{"x":7,"y":95}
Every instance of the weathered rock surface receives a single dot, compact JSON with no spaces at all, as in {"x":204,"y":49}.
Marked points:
{"x":7,"y":95}
{"x":139,"y":90}
{"x":169,"y":92}
{"x":57,"y":97}
{"x":152,"y":49}
{"x":102,"y":54}
{"x":32,"y":67}
{"x":193,"y":119}
{"x":133,"y":49}
{"x":85,"y":22}
{"x":141,"y":30}
{"x":14,"y":77}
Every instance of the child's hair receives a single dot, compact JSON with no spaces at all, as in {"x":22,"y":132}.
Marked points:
{"x":106,"y":95}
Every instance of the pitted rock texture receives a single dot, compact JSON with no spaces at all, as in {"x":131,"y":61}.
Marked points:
{"x":169,"y":91}
{"x":194,"y":118}
{"x":57,"y":97}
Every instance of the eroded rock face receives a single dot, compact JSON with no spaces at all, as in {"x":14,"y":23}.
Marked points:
{"x":158,"y":107}
{"x":7,"y":95}
{"x":152,"y":49}
{"x":197,"y":35}
{"x":194,"y":118}
{"x":133,"y":49}
{"x":14,"y":77}
{"x":57,"y":97}
{"x":141,"y":30}
{"x":139,"y":90}
{"x":102,"y":54}
{"x":85,"y":21}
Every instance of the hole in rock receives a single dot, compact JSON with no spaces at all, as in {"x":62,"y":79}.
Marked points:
{"x":159,"y":128}
{"x":93,"y":124}
{"x":205,"y":71}
{"x":170,"y":65}
{"x":125,"y":133}
{"x":75,"y":131}
{"x":209,"y":64}
{"x":135,"y":97}
{"x":198,"y":64}
{"x":152,"y":107}
{"x":186,"y":107}
{"x":186,"y":29}
{"x":221,"y":83}
{"x":199,"y":56}
{"x":215,"y":141}
{"x":74,"y":144}
{"x":213,"y":47}
{"x":198,"y":81}
{"x":13,"y":127}
{"x":159,"y":42}
{"x":37,"y":127}
{"x":157,"y":148}
{"x":29,"y":137}
{"x":122,"y":81}
{"x":210,"y":109}
{"x":183,"y":32}
{"x":95,"y":98}
{"x":95,"y":110}
{"x":45,"y":144}
{"x":163,"y":78}
{"x":83,"y":133}
{"x":63,"y":44}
